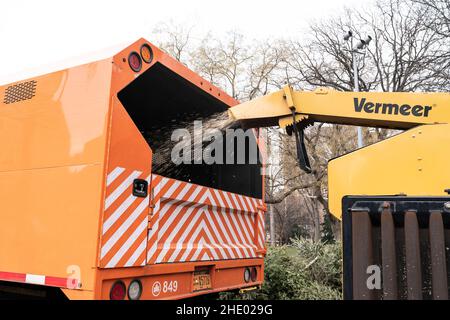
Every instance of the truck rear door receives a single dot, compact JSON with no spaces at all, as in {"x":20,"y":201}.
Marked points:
{"x":190,"y":222}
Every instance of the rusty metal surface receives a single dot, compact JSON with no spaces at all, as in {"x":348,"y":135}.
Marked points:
{"x":363,"y":255}
{"x":406,"y":238}
{"x":438,"y":260}
{"x":413,"y":268}
{"x":388,"y":255}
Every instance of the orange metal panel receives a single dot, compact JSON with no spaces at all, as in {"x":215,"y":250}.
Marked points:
{"x":226,"y":275}
{"x":63,"y":124}
{"x":51,"y":174}
{"x":54,"y":224}
{"x":125,"y":218}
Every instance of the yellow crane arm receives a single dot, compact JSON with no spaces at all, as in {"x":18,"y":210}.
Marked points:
{"x":413,"y":163}
{"x":398,"y":110}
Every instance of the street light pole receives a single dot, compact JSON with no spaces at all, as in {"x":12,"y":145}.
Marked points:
{"x":356,"y":89}
{"x":360,"y":45}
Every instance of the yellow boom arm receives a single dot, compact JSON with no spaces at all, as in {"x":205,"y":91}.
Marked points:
{"x":399,"y":110}
{"x":414,"y":162}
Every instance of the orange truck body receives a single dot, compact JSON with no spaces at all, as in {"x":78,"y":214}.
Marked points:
{"x":70,"y":154}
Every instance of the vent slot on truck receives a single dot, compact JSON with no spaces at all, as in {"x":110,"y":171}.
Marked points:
{"x":396,"y":248}
{"x":20,"y":91}
{"x":160,"y":101}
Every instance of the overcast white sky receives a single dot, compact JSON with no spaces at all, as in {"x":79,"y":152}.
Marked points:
{"x":38,"y":33}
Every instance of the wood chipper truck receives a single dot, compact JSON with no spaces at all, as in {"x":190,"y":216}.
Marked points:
{"x":82,"y":213}
{"x":392,"y":196}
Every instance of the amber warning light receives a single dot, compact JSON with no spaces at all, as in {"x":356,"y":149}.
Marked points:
{"x":146,"y":53}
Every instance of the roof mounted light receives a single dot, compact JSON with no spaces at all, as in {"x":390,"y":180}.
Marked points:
{"x":146,"y":53}
{"x":135,"y":61}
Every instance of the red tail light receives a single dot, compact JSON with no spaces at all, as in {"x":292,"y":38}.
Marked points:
{"x":135,"y":61}
{"x":118,"y":291}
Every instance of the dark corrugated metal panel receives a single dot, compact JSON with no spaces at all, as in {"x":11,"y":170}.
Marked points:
{"x":406,"y":239}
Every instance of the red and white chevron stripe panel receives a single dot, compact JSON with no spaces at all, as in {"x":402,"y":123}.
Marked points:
{"x":194,"y":223}
{"x":125,"y":221}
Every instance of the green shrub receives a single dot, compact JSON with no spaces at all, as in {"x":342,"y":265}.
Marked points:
{"x":303,"y":270}
{"x":322,"y":262}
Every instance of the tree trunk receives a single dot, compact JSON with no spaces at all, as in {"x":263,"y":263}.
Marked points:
{"x":272,"y":225}
{"x":316,"y":224}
